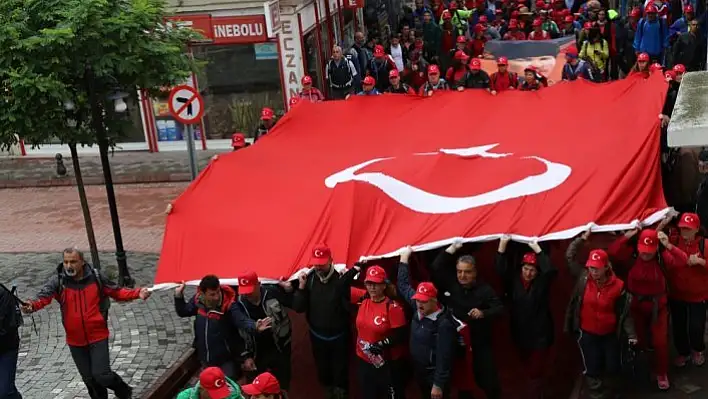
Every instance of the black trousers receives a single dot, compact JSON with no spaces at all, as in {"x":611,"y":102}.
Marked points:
{"x":332,"y":360}
{"x":94,"y":365}
{"x":387,"y":381}
{"x":485,"y":372}
{"x":688,"y":321}
{"x":601,"y":354}
{"x":278,"y":363}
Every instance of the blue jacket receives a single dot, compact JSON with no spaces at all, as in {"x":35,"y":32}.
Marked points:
{"x":678,"y":27}
{"x":651,"y":37}
{"x":433,"y":337}
{"x":216,"y":336}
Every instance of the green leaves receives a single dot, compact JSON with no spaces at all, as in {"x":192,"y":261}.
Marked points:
{"x":52,"y":51}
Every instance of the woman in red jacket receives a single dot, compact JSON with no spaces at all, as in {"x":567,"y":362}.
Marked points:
{"x":646,"y":281}
{"x":599,"y":315}
{"x":688,"y":293}
{"x":380,"y":335}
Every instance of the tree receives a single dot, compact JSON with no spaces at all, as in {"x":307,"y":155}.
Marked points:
{"x":63,"y":63}
{"x":54,"y":52}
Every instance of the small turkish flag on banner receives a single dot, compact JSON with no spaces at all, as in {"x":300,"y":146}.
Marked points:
{"x":371,"y":175}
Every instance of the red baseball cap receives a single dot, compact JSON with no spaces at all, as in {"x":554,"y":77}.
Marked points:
{"x":267,"y":114}
{"x":529,"y":259}
{"x":453,"y":5}
{"x":513,"y":24}
{"x":502,"y":61}
{"x":635,"y":12}
{"x":293,"y":101}
{"x":587,"y":25}
{"x":536,"y":22}
{"x":433,"y":70}
{"x":479,"y":28}
{"x":393,"y":73}
{"x":379,"y":51}
{"x":670,"y":74}
{"x":369,"y":80}
{"x":461,"y":39}
{"x":264,"y":384}
{"x":460,"y":55}
{"x":213,"y":380}
{"x":321,"y":255}
{"x":687,"y":9}
{"x":483,"y":19}
{"x":238,"y":140}
{"x":597,"y":259}
{"x":446,"y":15}
{"x":247,"y":282}
{"x":648,"y":241}
{"x":475,"y":64}
{"x":375,"y":274}
{"x":569,"y":18}
{"x":680,"y":68}
{"x":689,"y":221}
{"x":643,"y":57}
{"x":306,"y":80}
{"x":651,"y":9}
{"x":655,"y":67}
{"x":425,"y":292}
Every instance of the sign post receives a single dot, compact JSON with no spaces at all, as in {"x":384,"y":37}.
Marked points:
{"x":187,"y":106}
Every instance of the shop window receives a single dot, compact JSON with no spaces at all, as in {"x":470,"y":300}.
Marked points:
{"x":313,"y":59}
{"x":237,"y":82}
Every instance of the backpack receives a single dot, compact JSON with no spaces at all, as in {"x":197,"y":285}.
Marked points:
{"x":13,"y":321}
{"x":104,"y":302}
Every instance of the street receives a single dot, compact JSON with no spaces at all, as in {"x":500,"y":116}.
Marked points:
{"x":50,"y":219}
{"x":36,"y":225}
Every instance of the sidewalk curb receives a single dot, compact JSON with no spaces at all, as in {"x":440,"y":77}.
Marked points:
{"x":96,"y":181}
{"x":175,"y":378}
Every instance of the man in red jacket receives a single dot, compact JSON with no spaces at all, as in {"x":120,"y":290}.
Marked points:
{"x":647,"y":283}
{"x":83,"y":295}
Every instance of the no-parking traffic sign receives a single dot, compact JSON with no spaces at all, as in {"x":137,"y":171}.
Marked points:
{"x":186,"y":105}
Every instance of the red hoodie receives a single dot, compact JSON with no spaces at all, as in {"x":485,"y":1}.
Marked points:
{"x":597,"y":311}
{"x":689,"y":284}
{"x":645,"y":276}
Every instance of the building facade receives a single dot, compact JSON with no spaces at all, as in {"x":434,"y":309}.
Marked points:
{"x":255,"y":53}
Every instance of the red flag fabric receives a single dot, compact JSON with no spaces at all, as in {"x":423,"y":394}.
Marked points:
{"x":371,"y":175}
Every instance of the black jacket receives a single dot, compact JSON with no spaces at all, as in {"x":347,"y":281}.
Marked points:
{"x":479,"y":80}
{"x":462,"y":299}
{"x":433,"y":338}
{"x":216,"y":336}
{"x":10,"y":321}
{"x":325,"y":305}
{"x":531,"y":318}
{"x":690,"y":50}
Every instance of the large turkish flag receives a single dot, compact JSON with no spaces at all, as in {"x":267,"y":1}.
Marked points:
{"x":371,"y":175}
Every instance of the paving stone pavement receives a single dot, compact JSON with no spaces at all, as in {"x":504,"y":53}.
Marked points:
{"x":50,"y":219}
{"x":126,"y":166}
{"x":146,"y":337}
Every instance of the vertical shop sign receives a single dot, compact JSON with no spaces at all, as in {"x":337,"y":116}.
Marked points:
{"x":271,"y":11}
{"x":291,"y":59}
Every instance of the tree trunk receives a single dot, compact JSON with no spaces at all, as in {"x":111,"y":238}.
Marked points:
{"x":85,"y":207}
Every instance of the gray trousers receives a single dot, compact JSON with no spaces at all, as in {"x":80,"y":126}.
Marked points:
{"x":94,"y":364}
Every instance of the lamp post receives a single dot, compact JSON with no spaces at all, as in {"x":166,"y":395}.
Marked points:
{"x":98,"y":113}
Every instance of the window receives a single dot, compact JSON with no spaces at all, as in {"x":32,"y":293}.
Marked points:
{"x":237,"y":82}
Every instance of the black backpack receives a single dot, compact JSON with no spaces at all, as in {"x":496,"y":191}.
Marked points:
{"x":104,"y":303}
